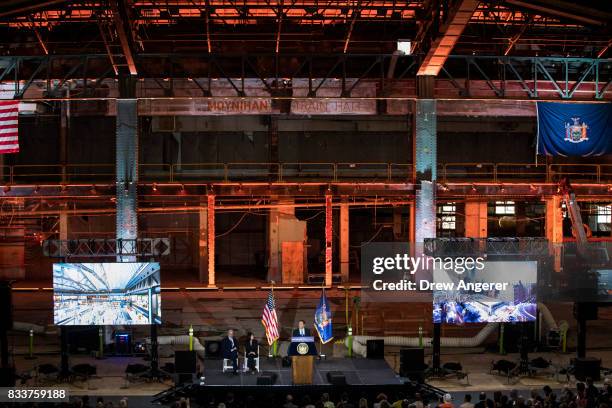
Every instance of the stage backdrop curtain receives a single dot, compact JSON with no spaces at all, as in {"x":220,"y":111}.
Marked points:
{"x":574,"y":129}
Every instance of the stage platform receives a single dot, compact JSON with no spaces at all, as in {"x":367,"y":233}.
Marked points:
{"x":356,"y":372}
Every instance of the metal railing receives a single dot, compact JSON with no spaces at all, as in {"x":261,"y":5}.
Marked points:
{"x":524,"y":172}
{"x":305,"y":172}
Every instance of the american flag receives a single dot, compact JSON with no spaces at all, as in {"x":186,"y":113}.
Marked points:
{"x":9,"y":113}
{"x":270,"y":320}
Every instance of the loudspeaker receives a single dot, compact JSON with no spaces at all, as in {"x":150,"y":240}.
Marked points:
{"x":185,"y":378}
{"x":412,"y":363}
{"x":82,"y":339}
{"x":7,"y":376}
{"x":518,"y":335}
{"x":6,"y":306}
{"x":212,"y":348}
{"x":185,"y":362}
{"x":585,"y":311}
{"x":375,"y":349}
{"x":266,"y":378}
{"x":412,"y":358}
{"x":587,"y":367}
{"x":336,"y":378}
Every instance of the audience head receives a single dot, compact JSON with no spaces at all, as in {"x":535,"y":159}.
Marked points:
{"x":381,"y":397}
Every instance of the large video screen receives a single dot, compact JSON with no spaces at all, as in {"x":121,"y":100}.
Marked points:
{"x":499,"y":291}
{"x":106,"y":293}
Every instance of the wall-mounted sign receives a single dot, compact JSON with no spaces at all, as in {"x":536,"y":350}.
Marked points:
{"x":205,"y":106}
{"x":333,"y":106}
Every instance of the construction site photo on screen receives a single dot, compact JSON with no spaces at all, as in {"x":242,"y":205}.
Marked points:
{"x":106,"y":293}
{"x":500,"y":292}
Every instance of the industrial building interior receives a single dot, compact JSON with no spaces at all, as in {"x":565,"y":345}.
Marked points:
{"x":249,"y":145}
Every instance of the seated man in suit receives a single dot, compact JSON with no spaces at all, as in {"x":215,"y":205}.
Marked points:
{"x":301,"y":331}
{"x":229,"y":346}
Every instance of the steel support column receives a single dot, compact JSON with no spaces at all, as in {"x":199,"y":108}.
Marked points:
{"x":425,"y":163}
{"x":554,"y":228}
{"x":273,"y":146}
{"x":203,"y":243}
{"x":274,"y":245}
{"x":210,"y":216}
{"x":344,"y":241}
{"x":63,"y":225}
{"x":425,"y":166}
{"x":127,"y":173}
{"x":328,"y":239}
{"x":64,"y":132}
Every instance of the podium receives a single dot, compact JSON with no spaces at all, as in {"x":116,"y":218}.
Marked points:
{"x":302,"y":351}
{"x":302,"y":369}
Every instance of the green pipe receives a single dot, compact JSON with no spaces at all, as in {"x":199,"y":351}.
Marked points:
{"x":420,"y":336}
{"x":502,"y":351}
{"x":350,"y":342}
{"x":101,"y":343}
{"x":31,"y":347}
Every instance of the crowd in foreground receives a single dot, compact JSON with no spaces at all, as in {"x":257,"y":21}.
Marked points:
{"x":584,"y":395}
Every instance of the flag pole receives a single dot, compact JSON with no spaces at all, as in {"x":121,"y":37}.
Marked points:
{"x":275,"y":343}
{"x":321,"y":354}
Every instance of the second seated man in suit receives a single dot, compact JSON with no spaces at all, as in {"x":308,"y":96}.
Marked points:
{"x":301,"y":331}
{"x":229,"y":345}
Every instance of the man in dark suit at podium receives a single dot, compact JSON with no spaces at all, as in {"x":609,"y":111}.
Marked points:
{"x":229,"y":346}
{"x":301,"y":331}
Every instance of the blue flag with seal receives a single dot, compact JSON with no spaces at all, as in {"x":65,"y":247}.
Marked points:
{"x":323,"y":319}
{"x":574,"y":129}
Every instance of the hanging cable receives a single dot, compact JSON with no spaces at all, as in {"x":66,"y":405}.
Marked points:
{"x":234,"y":226}
{"x":371,"y":239}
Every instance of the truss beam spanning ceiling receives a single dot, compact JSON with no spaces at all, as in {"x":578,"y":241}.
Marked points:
{"x":566,"y":10}
{"x":124,"y":33}
{"x":443,"y":44}
{"x":361,"y":76}
{"x":218,"y":27}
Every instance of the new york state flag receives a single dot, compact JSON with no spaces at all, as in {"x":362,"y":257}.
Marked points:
{"x":574,"y":129}
{"x":323,"y":319}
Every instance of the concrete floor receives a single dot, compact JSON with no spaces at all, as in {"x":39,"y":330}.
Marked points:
{"x":480,"y":379}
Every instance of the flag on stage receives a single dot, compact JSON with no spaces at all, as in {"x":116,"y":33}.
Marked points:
{"x":9,"y":115}
{"x":270,"y":320}
{"x":323,"y":319}
{"x":574,"y":129}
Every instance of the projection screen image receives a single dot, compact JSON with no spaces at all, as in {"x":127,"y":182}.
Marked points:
{"x":106,"y":293}
{"x":471,"y":301}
